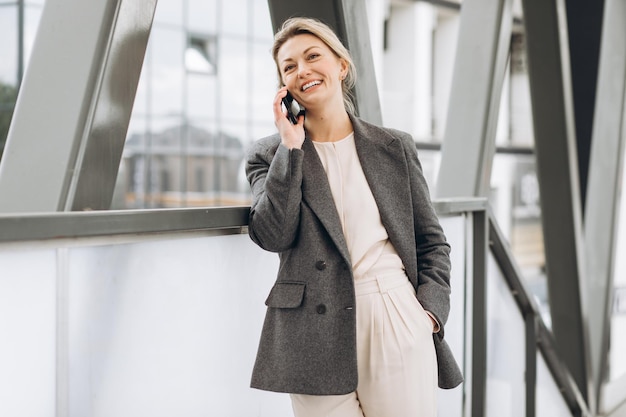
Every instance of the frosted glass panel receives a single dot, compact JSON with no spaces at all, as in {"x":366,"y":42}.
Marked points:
{"x":506,"y":355}
{"x":169,"y":328}
{"x":27,"y":332}
{"x":450,"y":402}
{"x":617,"y":360}
{"x":549,"y":400}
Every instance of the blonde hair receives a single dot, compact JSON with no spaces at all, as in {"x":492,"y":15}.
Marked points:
{"x":304,"y":25}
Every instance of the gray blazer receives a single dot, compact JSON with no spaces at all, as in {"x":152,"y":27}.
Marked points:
{"x":308,"y":342}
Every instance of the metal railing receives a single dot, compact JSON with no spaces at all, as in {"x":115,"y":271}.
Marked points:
{"x":485,"y":238}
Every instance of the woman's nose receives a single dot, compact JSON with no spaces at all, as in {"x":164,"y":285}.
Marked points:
{"x":303,"y":69}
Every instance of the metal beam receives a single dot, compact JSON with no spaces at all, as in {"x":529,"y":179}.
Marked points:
{"x":349,"y":20}
{"x":604,"y":187}
{"x":72,"y":113}
{"x":479,"y":70}
{"x":555,"y":144}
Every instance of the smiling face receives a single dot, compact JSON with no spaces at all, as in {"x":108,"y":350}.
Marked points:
{"x":311,"y":71}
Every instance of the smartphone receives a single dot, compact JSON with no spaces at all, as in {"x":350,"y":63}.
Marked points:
{"x":294,"y":110}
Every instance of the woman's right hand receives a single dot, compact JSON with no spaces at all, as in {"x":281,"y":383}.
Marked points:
{"x":292,"y":136}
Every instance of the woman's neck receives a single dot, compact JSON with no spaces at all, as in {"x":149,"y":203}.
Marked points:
{"x":328,"y":126}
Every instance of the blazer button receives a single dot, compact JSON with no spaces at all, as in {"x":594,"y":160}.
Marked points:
{"x":320,"y":265}
{"x":321,"y":309}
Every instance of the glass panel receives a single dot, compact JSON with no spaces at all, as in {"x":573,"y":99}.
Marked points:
{"x":8,"y":69}
{"x":147,"y":333}
{"x":202,"y":97}
{"x":617,"y":360}
{"x":264,"y":81}
{"x":28,"y":329}
{"x":506,"y":349}
{"x":223,"y":108}
{"x":169,"y":12}
{"x":444,"y":50}
{"x":8,"y":52}
{"x":202,"y":15}
{"x":234,"y":79}
{"x":261,"y":130}
{"x":450,"y":402}
{"x":142,"y":96}
{"x":408,"y":71}
{"x":515,"y":199}
{"x":151,"y":333}
{"x":261,"y":21}
{"x":32,"y":16}
{"x":234,"y":17}
{"x":430,"y":161}
{"x":549,"y":399}
{"x":521,"y":119}
{"x":167,"y":71}
{"x":201,"y":54}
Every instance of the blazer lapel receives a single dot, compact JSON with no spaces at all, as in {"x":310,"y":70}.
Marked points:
{"x":381,"y":156}
{"x":316,"y":193}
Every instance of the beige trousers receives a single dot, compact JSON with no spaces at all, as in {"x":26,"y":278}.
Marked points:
{"x":395,"y":353}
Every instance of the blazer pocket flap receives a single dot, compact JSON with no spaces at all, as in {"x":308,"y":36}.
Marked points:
{"x":286,"y":295}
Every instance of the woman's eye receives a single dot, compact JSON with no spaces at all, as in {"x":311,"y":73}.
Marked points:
{"x":313,"y":56}
{"x":288,"y":68}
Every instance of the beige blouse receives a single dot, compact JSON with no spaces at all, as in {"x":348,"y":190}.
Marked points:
{"x":368,"y":243}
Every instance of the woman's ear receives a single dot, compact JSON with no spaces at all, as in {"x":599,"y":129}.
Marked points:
{"x":344,"y":68}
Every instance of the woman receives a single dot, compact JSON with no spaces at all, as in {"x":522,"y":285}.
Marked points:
{"x":363,"y":281}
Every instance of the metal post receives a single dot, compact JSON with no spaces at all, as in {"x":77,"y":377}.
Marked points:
{"x":604,"y":185}
{"x":557,"y":168}
{"x":20,"y":42}
{"x":479,"y":314}
{"x":530,"y":319}
{"x":479,"y":70}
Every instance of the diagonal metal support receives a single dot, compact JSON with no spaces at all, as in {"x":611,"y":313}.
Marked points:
{"x":555,"y":144}
{"x":349,"y":20}
{"x":481,"y":57}
{"x":604,"y":187}
{"x":75,"y":102}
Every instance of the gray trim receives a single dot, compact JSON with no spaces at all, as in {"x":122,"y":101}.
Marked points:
{"x":604,"y":186}
{"x":555,"y":142}
{"x":479,"y":72}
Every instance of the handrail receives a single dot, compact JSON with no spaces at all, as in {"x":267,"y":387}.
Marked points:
{"x":43,"y":226}
{"x":20,"y":227}
{"x":23,"y":227}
